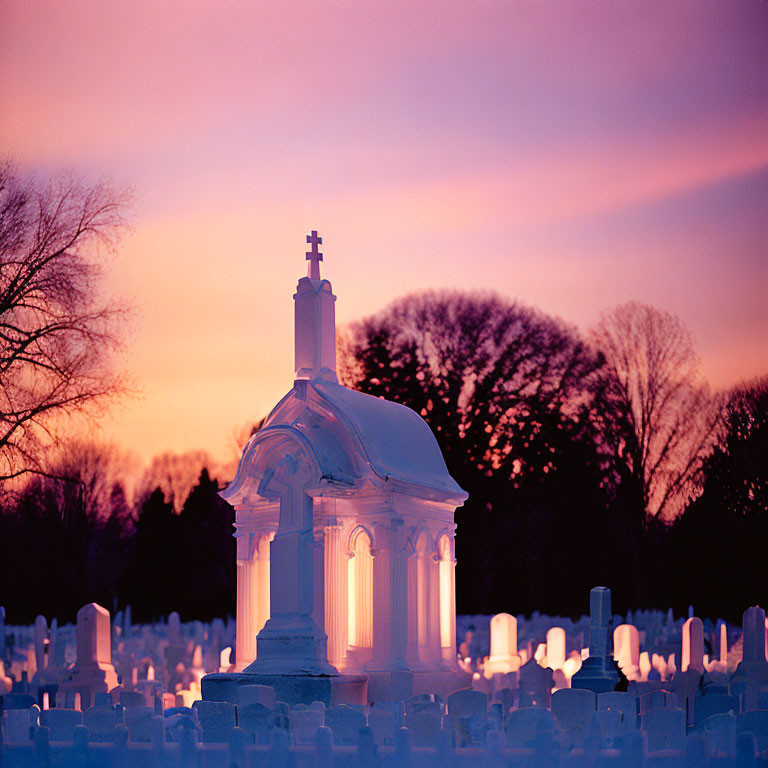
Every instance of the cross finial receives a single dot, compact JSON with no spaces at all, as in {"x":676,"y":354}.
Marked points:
{"x":314,"y":257}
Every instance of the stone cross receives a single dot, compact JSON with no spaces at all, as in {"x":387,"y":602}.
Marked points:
{"x":314,"y":257}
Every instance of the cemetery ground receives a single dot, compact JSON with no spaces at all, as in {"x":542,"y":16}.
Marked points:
{"x":647,"y":688}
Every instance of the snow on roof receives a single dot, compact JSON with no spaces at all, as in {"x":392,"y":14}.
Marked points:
{"x":398,"y":442}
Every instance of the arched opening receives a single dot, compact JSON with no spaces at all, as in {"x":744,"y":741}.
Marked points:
{"x":360,"y":591}
{"x":445,"y":567}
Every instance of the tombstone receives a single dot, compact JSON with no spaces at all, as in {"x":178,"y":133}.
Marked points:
{"x":536,"y":684}
{"x":467,"y":702}
{"x":255,"y":720}
{"x":93,"y":670}
{"x":424,"y":702}
{"x":692,"y":656}
{"x":256,"y":694}
{"x":626,"y":647}
{"x":397,"y":709}
{"x":41,"y":635}
{"x":61,"y":723}
{"x":217,"y":719}
{"x":752,"y":672}
{"x":574,"y":709}
{"x":664,"y":728}
{"x":345,"y":722}
{"x":304,"y":725}
{"x":719,"y":732}
{"x":17,"y":726}
{"x":139,"y":721}
{"x":100,"y":722}
{"x":525,"y":725}
{"x":503,"y":656}
{"x":755,"y":722}
{"x":659,"y":699}
{"x":556,"y":648}
{"x":599,"y":672}
{"x":383,"y":724}
{"x":132,"y":699}
{"x":424,"y":727}
{"x":622,"y":702}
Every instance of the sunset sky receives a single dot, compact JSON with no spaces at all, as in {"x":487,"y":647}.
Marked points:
{"x":573,"y":155}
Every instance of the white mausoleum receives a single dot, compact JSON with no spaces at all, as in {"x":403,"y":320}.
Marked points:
{"x":345,"y":529}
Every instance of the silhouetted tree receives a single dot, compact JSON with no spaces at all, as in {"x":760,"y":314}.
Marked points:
{"x":208,"y":547}
{"x":506,"y":391}
{"x":175,"y":473}
{"x":155,"y":576}
{"x":655,"y":416}
{"x":718,"y":541}
{"x":56,"y":329}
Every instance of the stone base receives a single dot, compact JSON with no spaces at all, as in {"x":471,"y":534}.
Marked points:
{"x":599,"y":674}
{"x":293,"y":689}
{"x":390,"y":685}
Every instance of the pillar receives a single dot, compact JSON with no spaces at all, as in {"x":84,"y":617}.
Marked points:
{"x":252,"y":594}
{"x":335,"y":591}
{"x":390,"y":606}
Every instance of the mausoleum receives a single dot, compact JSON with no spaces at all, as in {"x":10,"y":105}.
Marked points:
{"x":345,"y":528}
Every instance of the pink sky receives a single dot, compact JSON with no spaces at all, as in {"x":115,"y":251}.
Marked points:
{"x":571,"y":155}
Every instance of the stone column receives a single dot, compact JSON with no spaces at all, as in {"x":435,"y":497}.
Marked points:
{"x":335,"y":591}
{"x":252,"y":594}
{"x":434,"y":654}
{"x":447,"y":577}
{"x":390,"y":606}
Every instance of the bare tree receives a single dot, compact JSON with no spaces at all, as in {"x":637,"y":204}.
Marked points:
{"x":176,"y":474}
{"x":57,"y":330}
{"x":657,"y":417}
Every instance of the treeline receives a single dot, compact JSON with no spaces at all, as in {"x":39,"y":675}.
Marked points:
{"x":67,"y":542}
{"x":597,"y":458}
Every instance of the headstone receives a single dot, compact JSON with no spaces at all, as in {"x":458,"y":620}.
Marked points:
{"x":503,"y":656}
{"x":556,"y":648}
{"x":574,"y":709}
{"x":467,"y":702}
{"x":424,"y":702}
{"x":752,"y":672}
{"x":536,"y":684}
{"x":100,"y":722}
{"x":525,"y":725}
{"x":626,"y":646}
{"x":345,"y":722}
{"x":383,"y":724}
{"x":93,"y":670}
{"x":304,"y":725}
{"x":424,"y":727}
{"x":61,"y":723}
{"x":755,"y":722}
{"x":139,"y":720}
{"x":719,"y":733}
{"x":255,"y":720}
{"x":693,"y":645}
{"x":217,"y":718}
{"x":41,"y":635}
{"x":664,"y":728}
{"x":256,"y":694}
{"x":623,"y":702}
{"x":599,"y":672}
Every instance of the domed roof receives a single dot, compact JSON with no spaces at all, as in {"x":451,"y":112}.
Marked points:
{"x":353,"y":437}
{"x":398,"y":442}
